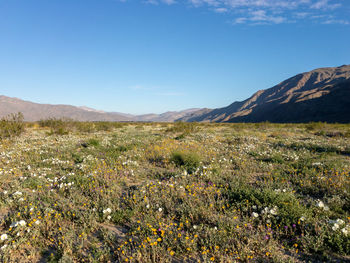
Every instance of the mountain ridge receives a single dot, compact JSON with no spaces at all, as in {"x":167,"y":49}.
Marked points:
{"x":322,"y":94}
{"x":36,"y":111}
{"x":303,"y":87}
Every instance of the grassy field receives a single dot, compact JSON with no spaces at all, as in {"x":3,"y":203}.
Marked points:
{"x":83,"y":192}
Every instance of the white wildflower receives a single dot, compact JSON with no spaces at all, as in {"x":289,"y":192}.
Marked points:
{"x":3,"y":237}
{"x":108,"y":210}
{"x":335,"y":227}
{"x":254,"y":214}
{"x":320,"y":204}
{"x":22,"y":223}
{"x":273,"y":211}
{"x":345,"y":230}
{"x":160,"y":209}
{"x":17,"y":193}
{"x":340,"y":221}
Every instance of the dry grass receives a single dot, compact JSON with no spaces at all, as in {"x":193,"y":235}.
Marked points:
{"x":176,"y":193}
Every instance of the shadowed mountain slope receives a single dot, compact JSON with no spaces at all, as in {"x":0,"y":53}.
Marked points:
{"x":318,"y":95}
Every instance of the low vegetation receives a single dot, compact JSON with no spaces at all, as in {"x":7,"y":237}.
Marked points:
{"x":11,"y":125}
{"x":63,"y":126}
{"x":182,"y":192}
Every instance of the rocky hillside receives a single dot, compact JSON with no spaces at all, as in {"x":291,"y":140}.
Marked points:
{"x":318,"y":95}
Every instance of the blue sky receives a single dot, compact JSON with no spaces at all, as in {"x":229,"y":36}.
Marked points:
{"x":157,"y":55}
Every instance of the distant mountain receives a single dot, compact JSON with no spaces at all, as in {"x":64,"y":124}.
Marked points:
{"x":319,"y":95}
{"x":168,"y":116}
{"x":35,"y":111}
{"x":91,"y":109}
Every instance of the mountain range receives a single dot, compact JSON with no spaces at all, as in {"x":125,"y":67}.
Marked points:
{"x":319,"y":95}
{"x":35,"y":111}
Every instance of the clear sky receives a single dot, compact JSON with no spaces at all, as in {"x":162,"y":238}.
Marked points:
{"x":156,"y":55}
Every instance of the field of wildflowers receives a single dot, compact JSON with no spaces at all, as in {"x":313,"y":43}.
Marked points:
{"x":176,"y":193}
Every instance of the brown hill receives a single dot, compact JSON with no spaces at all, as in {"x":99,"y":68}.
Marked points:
{"x":35,"y":111}
{"x":318,"y":95}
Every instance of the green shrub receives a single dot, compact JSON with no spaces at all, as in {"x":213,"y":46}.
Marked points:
{"x":262,"y":125}
{"x":189,"y":160}
{"x":104,"y":126}
{"x":93,"y":142}
{"x":121,"y":216}
{"x":275,"y":158}
{"x":11,"y":125}
{"x":58,"y":126}
{"x":313,"y":126}
{"x":184,"y":127}
{"x":85,"y":127}
{"x":347,"y":133}
{"x":289,"y":210}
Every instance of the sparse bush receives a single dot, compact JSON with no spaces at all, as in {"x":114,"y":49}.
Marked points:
{"x":189,"y":160}
{"x":11,"y":125}
{"x":63,"y":126}
{"x":84,"y":127}
{"x":347,"y":133}
{"x":155,"y":155}
{"x":185,"y":128}
{"x":313,"y":126}
{"x":275,"y":158}
{"x":93,"y":142}
{"x":140,"y":126}
{"x":104,"y":126}
{"x":58,"y":126}
{"x":262,"y":125}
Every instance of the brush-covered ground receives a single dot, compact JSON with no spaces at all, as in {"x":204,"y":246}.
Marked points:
{"x":175,"y":193}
